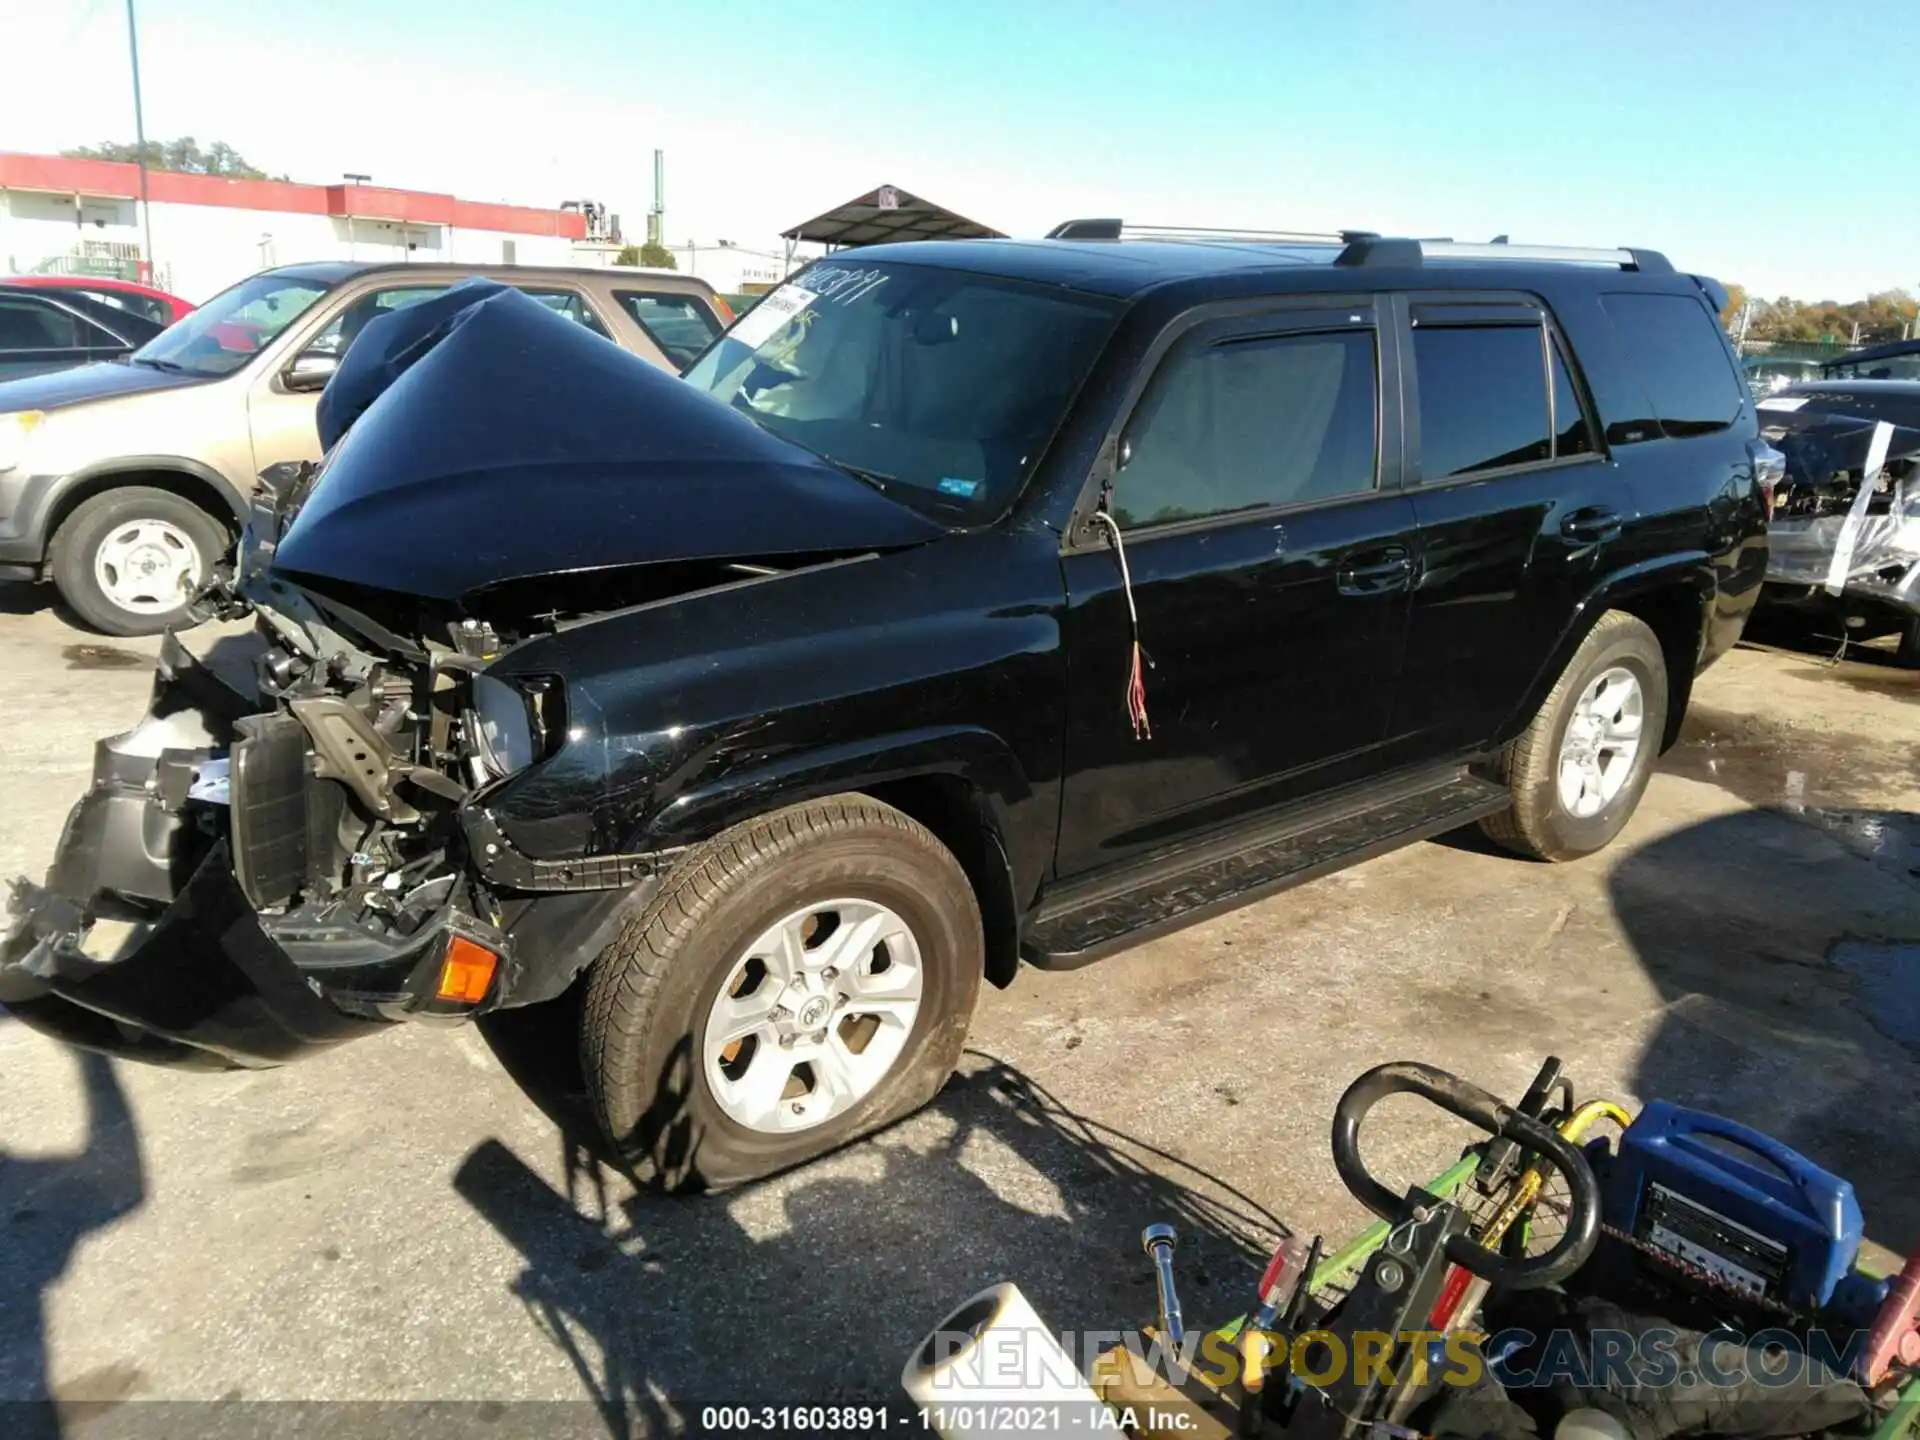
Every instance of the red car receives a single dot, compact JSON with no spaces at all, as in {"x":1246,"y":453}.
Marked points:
{"x":142,"y":300}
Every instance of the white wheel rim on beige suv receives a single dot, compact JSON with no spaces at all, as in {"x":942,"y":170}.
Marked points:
{"x":1601,"y":742}
{"x":812,"y":1015}
{"x":147,"y":567}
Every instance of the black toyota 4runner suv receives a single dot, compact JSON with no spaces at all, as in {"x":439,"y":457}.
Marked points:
{"x":966,"y":603}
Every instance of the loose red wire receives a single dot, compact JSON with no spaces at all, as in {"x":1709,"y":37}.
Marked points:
{"x":1139,"y":662}
{"x":1137,"y":697}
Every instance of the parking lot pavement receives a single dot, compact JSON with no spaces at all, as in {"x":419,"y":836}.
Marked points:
{"x":398,"y":1220}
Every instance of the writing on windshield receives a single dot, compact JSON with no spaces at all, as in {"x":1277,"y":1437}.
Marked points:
{"x":943,"y":383}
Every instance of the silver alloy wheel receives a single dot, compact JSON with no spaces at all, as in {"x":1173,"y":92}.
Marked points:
{"x":812,"y":1015}
{"x":147,"y":566}
{"x":1601,"y":742}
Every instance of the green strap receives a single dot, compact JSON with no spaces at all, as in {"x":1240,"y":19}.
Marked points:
{"x":1903,"y":1421}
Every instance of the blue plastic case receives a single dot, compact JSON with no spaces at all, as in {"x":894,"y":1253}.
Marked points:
{"x":1735,"y":1202}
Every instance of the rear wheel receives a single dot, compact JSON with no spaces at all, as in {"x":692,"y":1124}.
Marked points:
{"x":800,"y":980}
{"x":127,"y":561}
{"x":1579,"y":769}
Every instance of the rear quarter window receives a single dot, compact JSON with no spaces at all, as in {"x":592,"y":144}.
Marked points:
{"x":1673,"y":344}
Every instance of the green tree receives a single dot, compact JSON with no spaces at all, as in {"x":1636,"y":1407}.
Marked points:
{"x":1884,"y":315}
{"x":183,"y":155}
{"x":1736,"y":302}
{"x":654,"y":257}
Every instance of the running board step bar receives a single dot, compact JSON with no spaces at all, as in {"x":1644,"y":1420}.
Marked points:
{"x":1320,"y":841}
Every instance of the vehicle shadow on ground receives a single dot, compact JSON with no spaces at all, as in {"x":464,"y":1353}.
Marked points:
{"x":1791,"y":971}
{"x":1818,"y":636}
{"x":814,"y":1289}
{"x":17,"y":597}
{"x":48,"y":1206}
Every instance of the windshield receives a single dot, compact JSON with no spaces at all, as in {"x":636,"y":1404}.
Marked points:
{"x":230,"y":329}
{"x":1887,"y":367}
{"x":935,"y":382}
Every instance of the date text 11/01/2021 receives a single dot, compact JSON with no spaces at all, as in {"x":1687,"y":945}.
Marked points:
{"x":1060,"y":1418}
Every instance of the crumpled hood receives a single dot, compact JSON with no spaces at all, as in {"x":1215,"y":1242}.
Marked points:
{"x":1820,"y":437}
{"x":489,"y":439}
{"x":101,"y":381}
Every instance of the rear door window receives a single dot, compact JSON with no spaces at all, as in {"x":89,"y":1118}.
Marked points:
{"x":1483,"y":398}
{"x":679,"y":324}
{"x":29,"y":323}
{"x":144,"y":306}
{"x":1674,"y":345}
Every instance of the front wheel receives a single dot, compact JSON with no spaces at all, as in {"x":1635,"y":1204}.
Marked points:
{"x":128,"y":560}
{"x":801,"y":979}
{"x":1578,"y":771}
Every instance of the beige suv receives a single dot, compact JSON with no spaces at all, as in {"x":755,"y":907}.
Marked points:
{"x":123,"y":483}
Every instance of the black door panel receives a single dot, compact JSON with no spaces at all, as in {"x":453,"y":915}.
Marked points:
{"x":1499,"y":576}
{"x":1267,"y":681}
{"x":1518,"y":515}
{"x":1271,"y":554}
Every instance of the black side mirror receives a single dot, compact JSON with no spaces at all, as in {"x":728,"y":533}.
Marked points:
{"x":310,"y":371}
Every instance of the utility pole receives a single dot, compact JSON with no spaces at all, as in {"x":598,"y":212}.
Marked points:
{"x":140,"y":142}
{"x":657,"y":216}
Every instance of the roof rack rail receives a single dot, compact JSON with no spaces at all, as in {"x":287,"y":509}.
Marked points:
{"x":1376,"y":251}
{"x":1364,"y":247}
{"x":1114,"y":229}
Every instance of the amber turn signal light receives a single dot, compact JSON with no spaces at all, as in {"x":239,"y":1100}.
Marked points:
{"x":466,"y":972}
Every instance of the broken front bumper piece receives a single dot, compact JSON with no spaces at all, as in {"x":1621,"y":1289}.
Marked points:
{"x":201,"y":986}
{"x":143,"y":941}
{"x":1863,"y":557}
{"x":210,"y":983}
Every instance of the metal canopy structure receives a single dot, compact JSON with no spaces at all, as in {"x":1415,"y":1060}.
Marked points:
{"x":883,"y":214}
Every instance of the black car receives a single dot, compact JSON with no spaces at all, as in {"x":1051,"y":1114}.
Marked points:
{"x":967,"y":602}
{"x":1897,"y":360}
{"x":46,"y":330}
{"x":1895,"y":401}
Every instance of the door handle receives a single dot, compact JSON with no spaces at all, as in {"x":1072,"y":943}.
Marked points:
{"x":1591,"y":525}
{"x":1374,"y":572}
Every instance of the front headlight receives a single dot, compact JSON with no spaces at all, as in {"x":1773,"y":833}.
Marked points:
{"x":14,"y":429}
{"x":502,"y":726}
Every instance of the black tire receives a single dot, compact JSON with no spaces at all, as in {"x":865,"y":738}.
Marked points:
{"x":71,"y":555}
{"x":1909,"y":651}
{"x":649,"y":993}
{"x":1539,"y":825}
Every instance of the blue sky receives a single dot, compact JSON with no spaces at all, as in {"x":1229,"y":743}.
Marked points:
{"x":1691,"y":125}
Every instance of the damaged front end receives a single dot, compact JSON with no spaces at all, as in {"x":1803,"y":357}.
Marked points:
{"x":304,"y":840}
{"x":1845,"y":531}
{"x":278,"y":856}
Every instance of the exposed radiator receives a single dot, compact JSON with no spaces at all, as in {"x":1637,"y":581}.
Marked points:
{"x":268,"y":808}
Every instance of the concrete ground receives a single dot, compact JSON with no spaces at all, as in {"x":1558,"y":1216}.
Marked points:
{"x":398,"y":1221}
